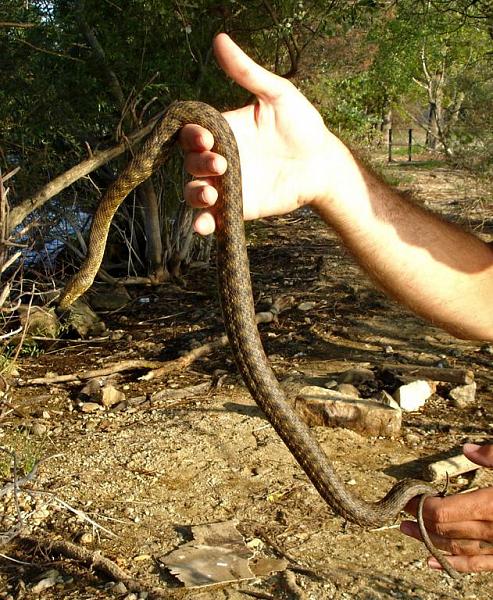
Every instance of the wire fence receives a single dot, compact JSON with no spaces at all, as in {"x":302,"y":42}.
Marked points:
{"x":406,"y":139}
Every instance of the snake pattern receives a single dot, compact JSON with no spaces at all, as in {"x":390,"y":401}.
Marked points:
{"x":238,"y":307}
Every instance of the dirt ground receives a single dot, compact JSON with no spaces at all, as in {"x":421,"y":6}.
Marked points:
{"x":131,"y":481}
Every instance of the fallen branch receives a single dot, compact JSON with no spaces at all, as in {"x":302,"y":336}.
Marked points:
{"x":93,"y":560}
{"x":125,"y":365}
{"x":56,"y":185}
{"x":278,"y":306}
{"x":159,"y":368}
{"x":457,"y":376}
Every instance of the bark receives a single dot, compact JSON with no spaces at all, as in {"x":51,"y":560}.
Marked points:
{"x":146,"y":190}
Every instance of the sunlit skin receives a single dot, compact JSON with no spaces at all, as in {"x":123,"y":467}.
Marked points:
{"x":290,"y":159}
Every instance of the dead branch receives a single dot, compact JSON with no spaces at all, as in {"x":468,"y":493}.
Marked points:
{"x":93,"y":560}
{"x":56,"y":185}
{"x":159,"y":369}
{"x":11,"y":24}
{"x":279,"y":305}
{"x":125,"y":365}
{"x":449,"y":375}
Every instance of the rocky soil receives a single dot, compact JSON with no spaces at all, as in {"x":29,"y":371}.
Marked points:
{"x":130,"y":480}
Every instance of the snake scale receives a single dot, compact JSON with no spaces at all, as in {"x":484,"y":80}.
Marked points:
{"x":238,"y":307}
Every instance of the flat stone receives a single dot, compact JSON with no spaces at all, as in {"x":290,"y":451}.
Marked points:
{"x":329,"y":408}
{"x":306,"y":306}
{"x":356,"y":376}
{"x":349,"y":389}
{"x":89,"y":407}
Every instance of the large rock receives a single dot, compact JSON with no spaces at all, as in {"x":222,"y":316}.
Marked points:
{"x":320,"y":406}
{"x":84,"y":320}
{"x":39,"y":321}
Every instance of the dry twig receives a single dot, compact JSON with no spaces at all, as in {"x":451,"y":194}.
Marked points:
{"x":159,"y":369}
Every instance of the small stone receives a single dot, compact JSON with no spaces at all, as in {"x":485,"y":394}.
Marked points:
{"x":330,"y":385}
{"x":86,"y":539}
{"x":48,"y":579}
{"x":356,"y":376}
{"x":412,"y":439}
{"x":89,"y":407}
{"x":91,"y":390}
{"x":463,"y":396}
{"x":413,"y":396}
{"x":306,"y":306}
{"x":119,"y":588}
{"x":349,"y":389}
{"x":39,"y":429}
{"x":111,"y":396}
{"x":388,"y":350}
{"x":385,"y":398}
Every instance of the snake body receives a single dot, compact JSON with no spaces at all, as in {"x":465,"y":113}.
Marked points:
{"x":238,"y":307}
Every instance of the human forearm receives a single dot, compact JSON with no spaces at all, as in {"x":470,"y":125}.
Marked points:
{"x":438,"y":270}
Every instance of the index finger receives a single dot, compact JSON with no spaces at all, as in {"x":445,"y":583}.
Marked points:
{"x":472,"y":506}
{"x":194,"y":138}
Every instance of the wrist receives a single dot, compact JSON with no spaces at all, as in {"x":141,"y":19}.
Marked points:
{"x":344,"y":189}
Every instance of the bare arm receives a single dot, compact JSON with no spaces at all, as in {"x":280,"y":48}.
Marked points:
{"x":435,"y":268}
{"x":289,"y":159}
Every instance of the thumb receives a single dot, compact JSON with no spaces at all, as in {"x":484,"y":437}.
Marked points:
{"x":481,"y":455}
{"x":246,"y":72}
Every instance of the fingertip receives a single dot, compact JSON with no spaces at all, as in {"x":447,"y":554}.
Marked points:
{"x":405,"y":527}
{"x":434,"y":564}
{"x":411,"y":529}
{"x":481,"y":455}
{"x":204,"y":223}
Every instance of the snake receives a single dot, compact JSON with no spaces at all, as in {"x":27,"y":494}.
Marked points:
{"x":237,"y":303}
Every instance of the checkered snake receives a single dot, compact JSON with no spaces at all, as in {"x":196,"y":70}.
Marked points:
{"x":238,"y":307}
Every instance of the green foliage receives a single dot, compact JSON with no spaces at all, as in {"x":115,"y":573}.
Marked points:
{"x":61,"y":99}
{"x":345,"y":106}
{"x":27,"y":450}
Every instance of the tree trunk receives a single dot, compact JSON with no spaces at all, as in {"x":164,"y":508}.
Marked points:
{"x":145,"y":191}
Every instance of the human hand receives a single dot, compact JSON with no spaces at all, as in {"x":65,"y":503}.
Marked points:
{"x":462,"y":524}
{"x":285,"y":149}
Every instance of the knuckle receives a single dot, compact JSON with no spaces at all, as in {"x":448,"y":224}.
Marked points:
{"x":455,"y":547}
{"x":438,"y":515}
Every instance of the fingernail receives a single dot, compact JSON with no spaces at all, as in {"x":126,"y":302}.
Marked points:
{"x":434,"y":564}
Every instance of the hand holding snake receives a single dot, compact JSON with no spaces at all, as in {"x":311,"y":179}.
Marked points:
{"x":281,"y":142}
